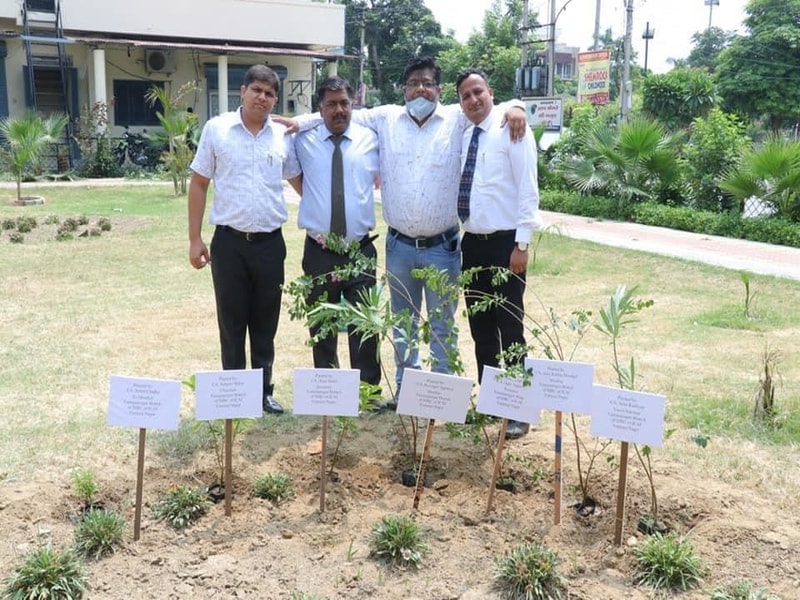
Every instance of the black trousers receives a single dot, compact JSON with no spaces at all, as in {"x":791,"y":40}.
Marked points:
{"x":363,"y":352}
{"x":248,"y":276}
{"x":493,"y":330}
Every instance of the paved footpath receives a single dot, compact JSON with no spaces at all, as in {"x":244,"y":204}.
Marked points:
{"x":741,"y":255}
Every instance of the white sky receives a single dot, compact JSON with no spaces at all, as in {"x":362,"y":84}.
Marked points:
{"x":674,"y":22}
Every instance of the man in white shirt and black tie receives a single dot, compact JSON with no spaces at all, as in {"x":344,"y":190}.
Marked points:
{"x":498,"y":205}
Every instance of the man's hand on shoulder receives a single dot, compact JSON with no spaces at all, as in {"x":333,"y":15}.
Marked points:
{"x":289,"y":123}
{"x":517,"y":122}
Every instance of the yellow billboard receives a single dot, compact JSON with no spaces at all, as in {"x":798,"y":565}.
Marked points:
{"x":593,"y":76}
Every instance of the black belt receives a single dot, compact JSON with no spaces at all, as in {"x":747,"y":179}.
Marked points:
{"x":494,"y":234}
{"x":364,"y":241}
{"x":425,"y":242}
{"x":250,"y":236}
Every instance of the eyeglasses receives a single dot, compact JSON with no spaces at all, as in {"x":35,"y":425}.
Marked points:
{"x":425,"y":83}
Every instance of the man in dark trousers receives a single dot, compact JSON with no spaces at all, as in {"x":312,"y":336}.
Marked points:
{"x":243,"y":152}
{"x":339,"y":162}
{"x":498,"y":204}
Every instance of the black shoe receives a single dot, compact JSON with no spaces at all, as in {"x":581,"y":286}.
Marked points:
{"x":516,"y":429}
{"x":271,"y":405}
{"x":386,"y":405}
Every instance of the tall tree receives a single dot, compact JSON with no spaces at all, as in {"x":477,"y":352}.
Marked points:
{"x":757,"y":73}
{"x":707,"y":46}
{"x":395,"y":31}
{"x":678,"y":97}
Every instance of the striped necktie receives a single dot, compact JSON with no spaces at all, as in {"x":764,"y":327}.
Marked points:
{"x":465,"y":187}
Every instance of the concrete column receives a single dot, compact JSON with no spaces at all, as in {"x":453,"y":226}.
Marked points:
{"x":100,"y":93}
{"x":222,"y":83}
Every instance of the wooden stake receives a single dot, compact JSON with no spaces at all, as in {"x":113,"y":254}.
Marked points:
{"x":228,"y":466}
{"x":557,"y":470}
{"x":322,"y":476}
{"x":137,"y":518}
{"x":423,"y":463}
{"x":623,"y":482}
{"x":497,"y":463}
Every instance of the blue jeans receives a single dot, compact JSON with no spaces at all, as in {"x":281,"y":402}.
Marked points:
{"x":406,"y":295}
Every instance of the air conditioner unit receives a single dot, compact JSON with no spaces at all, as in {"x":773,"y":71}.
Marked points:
{"x":159,"y":61}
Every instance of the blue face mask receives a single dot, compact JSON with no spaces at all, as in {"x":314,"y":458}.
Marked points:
{"x":420,"y":107}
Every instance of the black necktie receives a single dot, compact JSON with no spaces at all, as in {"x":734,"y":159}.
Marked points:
{"x":465,"y":187}
{"x":338,"y":221}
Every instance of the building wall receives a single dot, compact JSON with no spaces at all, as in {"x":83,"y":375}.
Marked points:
{"x":268,"y":22}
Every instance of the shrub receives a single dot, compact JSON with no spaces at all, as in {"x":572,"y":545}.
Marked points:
{"x":667,"y":562}
{"x":16,"y":238}
{"x":275,"y":487}
{"x":9,"y":224}
{"x":181,"y":506}
{"x":104,"y":223}
{"x":741,"y":590}
{"x":85,"y":485}
{"x":47,"y":573}
{"x":99,"y":533}
{"x":530,"y":572}
{"x":397,"y":541}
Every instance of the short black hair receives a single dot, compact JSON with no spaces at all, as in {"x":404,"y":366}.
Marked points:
{"x":467,"y":72}
{"x":426,"y":62}
{"x":264,"y":74}
{"x":335,"y":84}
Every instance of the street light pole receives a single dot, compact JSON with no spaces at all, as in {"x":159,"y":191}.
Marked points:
{"x":551,"y":50}
{"x":647,"y":35}
{"x":710,"y":4}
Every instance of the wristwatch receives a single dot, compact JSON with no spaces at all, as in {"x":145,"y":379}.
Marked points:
{"x":522,"y":246}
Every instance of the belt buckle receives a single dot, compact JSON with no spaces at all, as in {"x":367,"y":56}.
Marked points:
{"x":420,"y":243}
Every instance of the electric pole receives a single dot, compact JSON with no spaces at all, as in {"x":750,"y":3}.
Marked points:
{"x":625,"y":87}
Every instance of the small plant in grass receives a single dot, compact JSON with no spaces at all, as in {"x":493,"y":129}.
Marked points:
{"x":397,"y":541}
{"x":275,"y":487}
{"x":749,"y":296}
{"x":26,"y":224}
{"x":741,"y":590}
{"x":104,"y":223}
{"x":52,"y":220}
{"x":16,"y":238}
{"x":304,"y":596}
{"x":764,"y":410}
{"x":529,"y":572}
{"x":9,"y":224}
{"x":83,"y":220}
{"x":667,"y":562}
{"x":68,"y":224}
{"x":47,"y":573}
{"x":99,"y":533}
{"x":64,"y":236}
{"x":84,"y":484}
{"x":181,"y":506}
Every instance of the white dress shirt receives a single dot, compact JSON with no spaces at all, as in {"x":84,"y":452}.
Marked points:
{"x":247,"y":171}
{"x":314,"y":150}
{"x":420,"y":167}
{"x":505,"y":191}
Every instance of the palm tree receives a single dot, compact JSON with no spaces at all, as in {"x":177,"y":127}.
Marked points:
{"x":636,"y":161}
{"x":180,"y":127}
{"x":770,"y":173}
{"x":25,"y":140}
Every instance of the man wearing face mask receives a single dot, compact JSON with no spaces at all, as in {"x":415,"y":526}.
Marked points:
{"x":420,"y":167}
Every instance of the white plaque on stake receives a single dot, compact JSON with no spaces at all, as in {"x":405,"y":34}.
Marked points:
{"x":506,"y":397}
{"x":326,"y":392}
{"x":232,"y":394}
{"x":628,"y":416}
{"x":144,"y":403}
{"x":562,"y":385}
{"x":434,"y":396}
